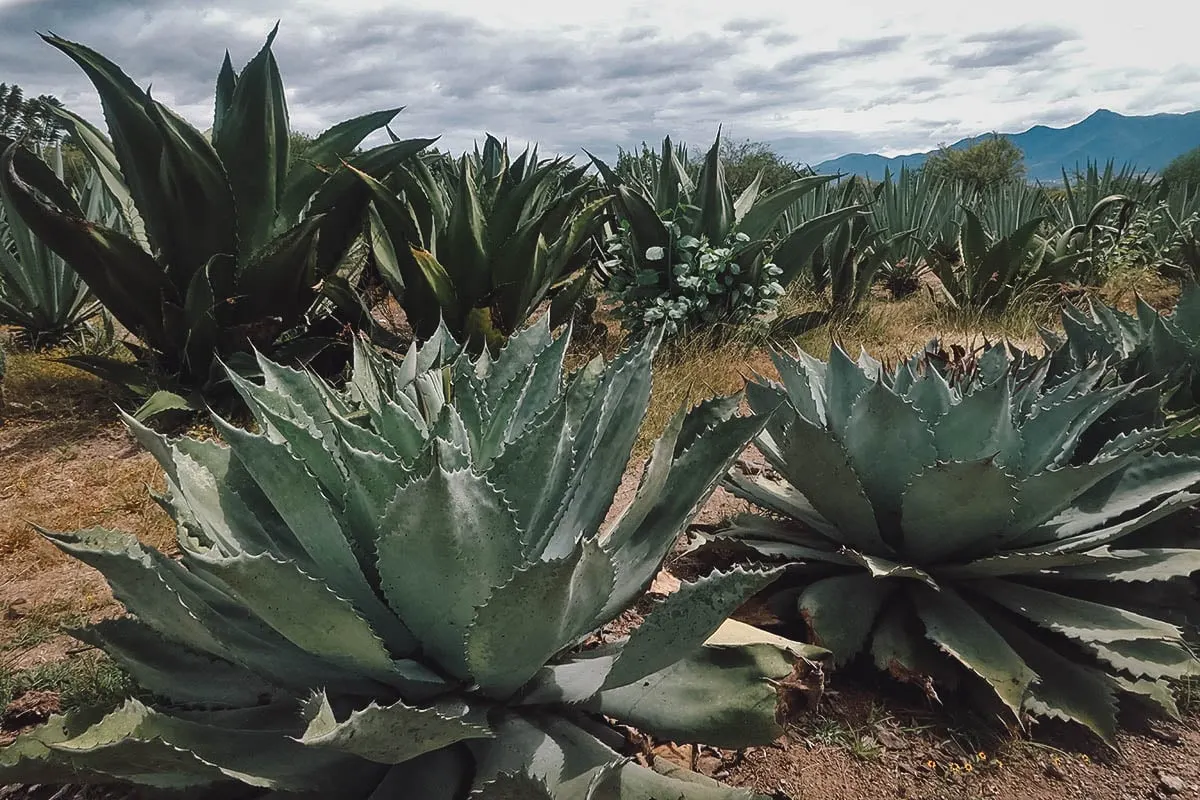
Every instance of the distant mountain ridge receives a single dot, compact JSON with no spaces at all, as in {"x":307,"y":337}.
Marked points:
{"x":1148,"y":142}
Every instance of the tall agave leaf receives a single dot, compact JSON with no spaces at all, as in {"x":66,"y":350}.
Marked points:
{"x":385,"y":591}
{"x":40,"y":294}
{"x":991,"y":272}
{"x":228,"y":246}
{"x":948,"y":532}
{"x":480,"y":246}
{"x":912,"y":201}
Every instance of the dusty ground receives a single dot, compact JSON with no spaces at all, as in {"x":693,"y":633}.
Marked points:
{"x":66,"y":462}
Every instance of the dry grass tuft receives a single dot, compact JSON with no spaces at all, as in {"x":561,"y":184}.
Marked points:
{"x":691,"y":368}
{"x":66,"y":463}
{"x":38,"y":387}
{"x":1126,"y":285}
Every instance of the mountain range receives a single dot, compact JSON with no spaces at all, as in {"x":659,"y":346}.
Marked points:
{"x":1147,"y":142}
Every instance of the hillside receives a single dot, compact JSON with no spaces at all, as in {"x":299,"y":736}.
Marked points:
{"x":1149,"y":142}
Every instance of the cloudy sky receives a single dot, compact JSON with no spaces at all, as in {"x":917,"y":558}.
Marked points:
{"x":815,"y":79}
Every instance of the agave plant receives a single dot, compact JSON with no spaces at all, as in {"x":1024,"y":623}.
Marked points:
{"x":946,"y":531}
{"x":912,"y":201}
{"x":40,"y":294}
{"x":1093,"y":212}
{"x":1160,"y":350}
{"x":1006,"y":207}
{"x":392,"y":590}
{"x":482,"y":243}
{"x":666,"y":177}
{"x":851,"y":255}
{"x":691,"y":254}
{"x":1084,"y":189}
{"x":1176,"y":233}
{"x":992,"y":271}
{"x":230,"y":248}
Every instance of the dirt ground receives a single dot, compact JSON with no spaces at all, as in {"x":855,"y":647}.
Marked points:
{"x":66,"y":462}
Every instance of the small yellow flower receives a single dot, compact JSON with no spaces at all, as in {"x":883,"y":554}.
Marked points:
{"x":998,"y":763}
{"x":931,"y":764}
{"x":955,"y":768}
{"x":1085,"y":759}
{"x":967,"y":768}
{"x":982,"y":756}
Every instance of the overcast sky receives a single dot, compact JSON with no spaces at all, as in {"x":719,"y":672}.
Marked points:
{"x":815,"y":79}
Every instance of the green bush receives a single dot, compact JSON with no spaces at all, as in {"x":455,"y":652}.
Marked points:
{"x":989,"y":162}
{"x":1184,"y":170}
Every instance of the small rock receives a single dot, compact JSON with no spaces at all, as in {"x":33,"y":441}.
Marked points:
{"x":1053,"y":770}
{"x":1170,"y":784}
{"x":16,"y":609}
{"x":664,"y":584}
{"x":890,"y":739}
{"x":747,"y":467}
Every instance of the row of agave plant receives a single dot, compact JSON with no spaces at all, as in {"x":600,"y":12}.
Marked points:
{"x":986,"y":247}
{"x":208,"y":248}
{"x":403,"y":587}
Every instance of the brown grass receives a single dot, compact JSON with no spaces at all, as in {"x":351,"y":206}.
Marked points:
{"x":66,"y":463}
{"x":695,"y":367}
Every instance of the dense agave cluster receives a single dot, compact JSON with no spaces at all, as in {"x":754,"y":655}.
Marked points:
{"x":688,"y":253}
{"x":386,"y":590}
{"x":40,"y":294}
{"x":479,"y":242}
{"x":936,"y":523}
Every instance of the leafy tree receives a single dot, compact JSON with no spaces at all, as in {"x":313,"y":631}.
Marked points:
{"x":744,"y":159}
{"x":32,"y":117}
{"x":298,"y":144}
{"x":1184,"y":170}
{"x":986,"y":163}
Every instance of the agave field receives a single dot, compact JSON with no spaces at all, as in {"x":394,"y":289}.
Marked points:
{"x":433,"y":535}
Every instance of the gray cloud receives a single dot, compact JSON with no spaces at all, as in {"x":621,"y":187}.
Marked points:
{"x":795,"y":75}
{"x":779,"y":38}
{"x":1025,"y":47}
{"x":848,"y":51}
{"x":456,"y":76}
{"x":748,"y":25}
{"x":567,"y":87}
